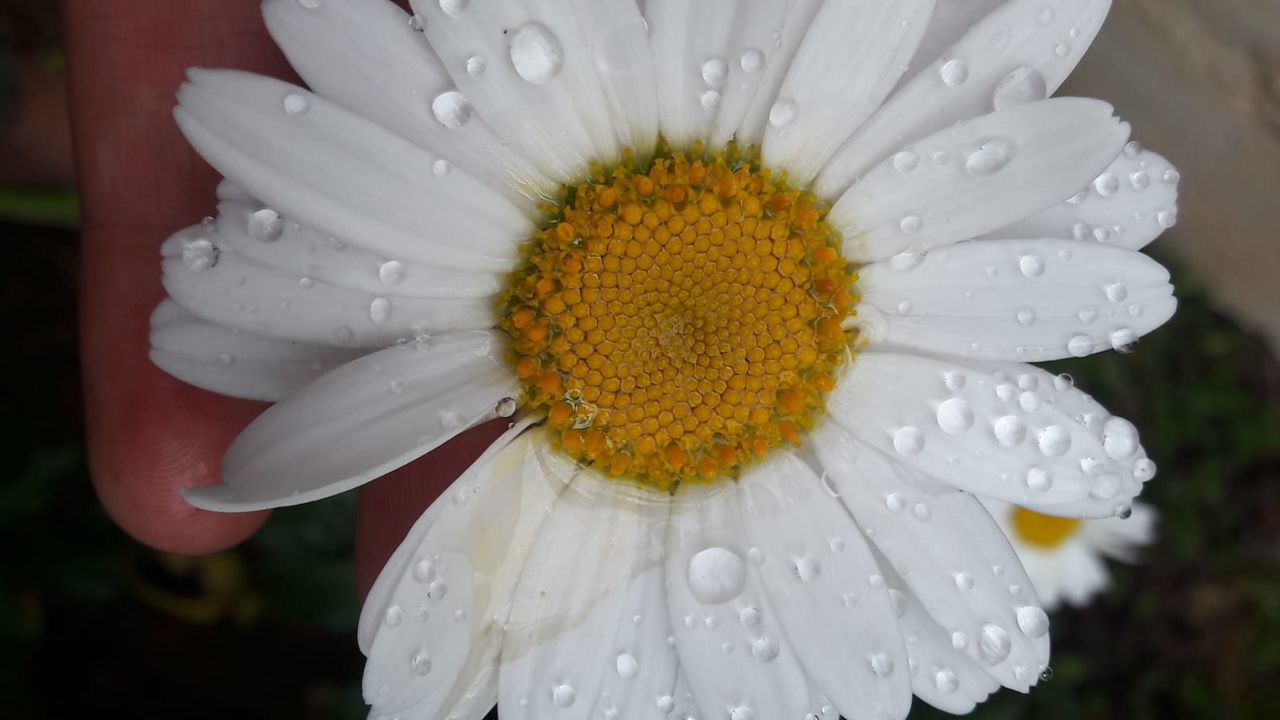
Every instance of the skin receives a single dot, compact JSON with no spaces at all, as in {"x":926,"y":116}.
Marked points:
{"x":150,"y":435}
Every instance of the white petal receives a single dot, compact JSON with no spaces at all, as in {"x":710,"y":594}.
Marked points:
{"x":1128,"y":205}
{"x":720,"y":613}
{"x":1030,"y":300}
{"x":689,"y":43}
{"x":540,"y":89}
{"x":765,"y":37}
{"x":821,"y":577}
{"x":950,"y":21}
{"x":947,"y":549}
{"x":331,"y":169}
{"x":366,"y":56}
{"x":851,"y":57}
{"x":1010,"y":431}
{"x":235,"y":363}
{"x":304,"y":252}
{"x":587,"y":636}
{"x":778,"y":48}
{"x":942,"y":676}
{"x":433,"y":622}
{"x":1022,"y":52}
{"x":361,"y":421}
{"x":239,"y":293}
{"x":977,"y":176}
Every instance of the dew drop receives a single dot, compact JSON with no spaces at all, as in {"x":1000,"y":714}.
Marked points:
{"x":1107,"y":184}
{"x":627,"y":666}
{"x":1026,"y":316}
{"x":1032,"y":621}
{"x":1124,"y":340}
{"x":906,"y":161}
{"x":1010,"y":430}
{"x":1119,"y":438}
{"x":440,"y":168}
{"x":393,"y":616}
{"x":1054,"y":441}
{"x":910,"y":225}
{"x":993,"y":644}
{"x":908,"y":441}
{"x":742,"y":712}
{"x":963,"y":580}
{"x":881,"y":665}
{"x":1023,"y":85}
{"x":954,"y":72}
{"x":200,"y":255}
{"x":714,"y":72}
{"x":765,"y":649}
{"x":783,"y":113}
{"x":420,"y":663}
{"x":380,"y":310}
{"x":452,"y":109}
{"x":749,"y":617}
{"x":710,"y":100}
{"x":391,"y":273}
{"x":1080,"y":346}
{"x":506,"y":407}
{"x":751,"y":61}
{"x":1167,"y":218}
{"x":807,"y":569}
{"x":437,"y":590}
{"x":1144,"y":470}
{"x":536,"y":53}
{"x":990,"y":158}
{"x":1031,"y":265}
{"x":453,"y":7}
{"x":716,"y":575}
{"x":946,"y":681}
{"x":955,"y":416}
{"x":1116,"y":292}
{"x":563,"y":695}
{"x":476,"y":66}
{"x":295,"y":104}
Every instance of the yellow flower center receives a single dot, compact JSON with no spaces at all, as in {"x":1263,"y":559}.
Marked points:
{"x":1040,"y":530}
{"x":676,"y":321}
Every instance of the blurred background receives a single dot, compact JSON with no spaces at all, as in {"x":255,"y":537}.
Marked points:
{"x":92,"y":622}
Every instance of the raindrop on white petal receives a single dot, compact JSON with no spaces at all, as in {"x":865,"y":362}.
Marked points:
{"x":955,"y":416}
{"x":1080,"y":346}
{"x":1124,"y":340}
{"x":1032,"y":621}
{"x":765,"y":649}
{"x":906,"y":161}
{"x":295,"y":104}
{"x":200,"y":255}
{"x":783,"y":113}
{"x":476,"y":66}
{"x":946,"y":681}
{"x":742,"y":712}
{"x":1031,"y":265}
{"x":393,"y":616}
{"x":1010,"y":430}
{"x":420,"y":663}
{"x":1144,"y":470}
{"x":563,"y":695}
{"x":1119,"y":438}
{"x":881,"y":664}
{"x":990,"y":158}
{"x":716,"y":575}
{"x":751,"y":60}
{"x":963,"y":580}
{"x":452,"y":109}
{"x":1023,"y":85}
{"x":536,"y":53}
{"x":506,"y":407}
{"x":453,"y":7}
{"x":714,"y":72}
{"x":627,"y":666}
{"x":391,"y":273}
{"x":380,"y":310}
{"x":993,"y":644}
{"x":807,"y":569}
{"x":1054,"y":441}
{"x":954,"y":72}
{"x":908,"y":440}
{"x":1107,"y":184}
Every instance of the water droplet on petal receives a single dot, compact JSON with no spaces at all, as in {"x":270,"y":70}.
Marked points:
{"x":993,"y":644}
{"x":955,"y":416}
{"x":906,"y":161}
{"x":1010,"y":430}
{"x":990,"y":158}
{"x":452,"y":109}
{"x":627,"y":666}
{"x":536,"y":53}
{"x":716,"y":575}
{"x":295,"y":104}
{"x":1054,"y":441}
{"x":808,"y":569}
{"x":751,"y":61}
{"x":783,"y":113}
{"x":1080,"y":346}
{"x":946,"y":681}
{"x":453,"y":7}
{"x":1107,"y":184}
{"x":1119,"y":438}
{"x":881,"y":664}
{"x":1023,"y":85}
{"x":1032,"y":621}
{"x":964,"y":580}
{"x":393,"y":616}
{"x":506,"y":407}
{"x":908,"y":440}
{"x":420,"y":663}
{"x":1031,"y":265}
{"x":391,"y":273}
{"x":563,"y":695}
{"x":954,"y":72}
{"x":714,"y":72}
{"x":380,"y":310}
{"x":200,"y":255}
{"x":765,"y":649}
{"x":476,"y":66}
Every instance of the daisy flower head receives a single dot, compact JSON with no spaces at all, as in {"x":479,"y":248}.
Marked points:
{"x":1065,"y":557}
{"x":756,"y":283}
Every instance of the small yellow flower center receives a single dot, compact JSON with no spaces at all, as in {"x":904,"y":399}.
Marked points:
{"x":676,"y":321}
{"x":1040,"y":530}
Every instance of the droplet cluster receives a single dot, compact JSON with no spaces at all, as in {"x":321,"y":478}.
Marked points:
{"x":677,"y":320}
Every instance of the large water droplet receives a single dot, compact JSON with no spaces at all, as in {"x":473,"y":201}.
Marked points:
{"x":963,"y":580}
{"x":1031,"y":265}
{"x":716,"y":575}
{"x":955,"y":416}
{"x":908,"y":440}
{"x":563,"y":695}
{"x":1023,"y":85}
{"x":954,"y":72}
{"x":808,"y":569}
{"x":536,"y":53}
{"x":452,"y":109}
{"x":1039,"y":479}
{"x":453,"y":7}
{"x":990,"y":158}
{"x":1054,"y":441}
{"x":476,"y":66}
{"x":380,"y":310}
{"x":1010,"y":430}
{"x":751,"y":61}
{"x":200,"y":255}
{"x":1032,"y":621}
{"x":1119,"y":438}
{"x":783,"y":113}
{"x":1080,"y":346}
{"x":391,"y":273}
{"x":993,"y":644}
{"x":946,"y":681}
{"x":881,"y":664}
{"x":627,"y":666}
{"x":714,"y":72}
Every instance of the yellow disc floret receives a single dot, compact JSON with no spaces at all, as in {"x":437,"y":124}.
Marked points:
{"x":677,"y":321}
{"x":1040,"y":530}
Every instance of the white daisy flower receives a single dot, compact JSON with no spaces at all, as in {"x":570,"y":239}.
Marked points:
{"x":1066,"y":557}
{"x":756,"y":281}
